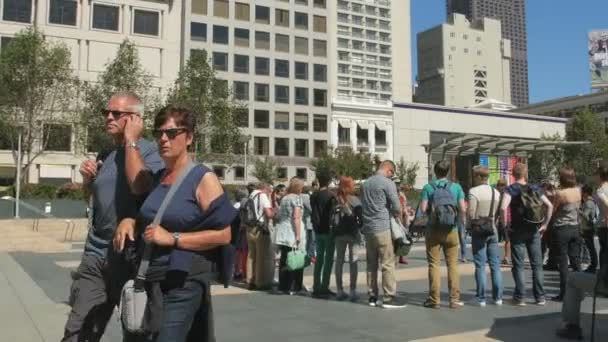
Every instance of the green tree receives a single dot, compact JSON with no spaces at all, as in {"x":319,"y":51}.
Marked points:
{"x":37,"y":90}
{"x":586,"y":126}
{"x":124,"y":73}
{"x":344,"y":162}
{"x":266,"y":169}
{"x":545,"y":165}
{"x":198,"y":89}
{"x":407,"y":172}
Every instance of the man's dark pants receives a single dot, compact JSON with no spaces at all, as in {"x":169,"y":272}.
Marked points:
{"x":95,"y":292}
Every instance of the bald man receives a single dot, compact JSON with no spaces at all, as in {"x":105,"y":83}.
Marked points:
{"x":99,"y":279}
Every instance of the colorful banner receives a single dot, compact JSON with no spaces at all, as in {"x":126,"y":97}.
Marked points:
{"x":598,"y":58}
{"x":484,"y":160}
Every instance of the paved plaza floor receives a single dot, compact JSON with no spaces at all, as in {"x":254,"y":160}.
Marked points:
{"x":34,"y":287}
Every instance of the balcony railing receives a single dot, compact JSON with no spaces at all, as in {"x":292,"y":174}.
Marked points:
{"x":357,"y":34}
{"x":357,"y":73}
{"x":365,"y":101}
{"x":385,"y":63}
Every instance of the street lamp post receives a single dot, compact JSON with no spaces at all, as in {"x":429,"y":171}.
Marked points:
{"x":245,"y":139}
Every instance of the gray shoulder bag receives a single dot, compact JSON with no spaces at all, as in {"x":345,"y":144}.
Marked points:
{"x":134,"y":299}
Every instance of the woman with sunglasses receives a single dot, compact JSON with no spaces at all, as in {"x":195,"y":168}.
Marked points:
{"x":196,"y":222}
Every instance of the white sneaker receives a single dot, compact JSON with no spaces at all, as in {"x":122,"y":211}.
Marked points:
{"x":481,"y":303}
{"x":498,"y":302}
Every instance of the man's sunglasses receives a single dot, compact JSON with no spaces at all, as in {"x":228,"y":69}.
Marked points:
{"x":170,"y":132}
{"x":116,"y":114}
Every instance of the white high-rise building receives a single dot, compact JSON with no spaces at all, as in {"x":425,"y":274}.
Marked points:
{"x":463,"y":64}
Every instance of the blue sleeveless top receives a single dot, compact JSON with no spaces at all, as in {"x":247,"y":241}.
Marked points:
{"x":183,"y":214}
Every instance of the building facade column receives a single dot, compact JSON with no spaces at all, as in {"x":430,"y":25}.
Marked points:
{"x":371,"y":137}
{"x":389,"y":143}
{"x":333,"y":135}
{"x":353,"y":135}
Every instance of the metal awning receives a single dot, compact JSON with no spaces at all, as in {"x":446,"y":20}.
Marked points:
{"x":471,"y":144}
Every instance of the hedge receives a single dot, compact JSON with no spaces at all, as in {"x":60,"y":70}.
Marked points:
{"x":72,"y":191}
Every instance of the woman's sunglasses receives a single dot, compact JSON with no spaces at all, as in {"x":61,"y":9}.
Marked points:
{"x":170,"y":132}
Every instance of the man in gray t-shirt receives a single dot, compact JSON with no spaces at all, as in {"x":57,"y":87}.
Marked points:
{"x":101,"y":274}
{"x":380,"y":203}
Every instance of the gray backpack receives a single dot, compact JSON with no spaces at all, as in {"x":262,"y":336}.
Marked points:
{"x":444,"y":209}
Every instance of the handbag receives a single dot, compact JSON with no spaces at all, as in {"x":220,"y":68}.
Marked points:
{"x":296,"y":260}
{"x":134,"y":298}
{"x":484,"y":226}
{"x":402,"y":240}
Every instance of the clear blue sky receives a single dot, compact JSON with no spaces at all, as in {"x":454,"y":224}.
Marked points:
{"x":557,"y":41}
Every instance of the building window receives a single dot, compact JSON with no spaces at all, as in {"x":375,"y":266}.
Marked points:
{"x":301,"y":70}
{"x":301,"y":45}
{"x":262,"y":15}
{"x":242,"y":116}
{"x":220,"y":8}
{"x":281,"y":120}
{"x":241,"y":37}
{"x":220,"y":34}
{"x":241,"y":11}
{"x":261,"y":92}
{"x":319,"y":48}
{"x":261,"y":119}
{"x":262,"y":66}
{"x":319,"y":24}
{"x":59,"y":138}
{"x":241,"y":90}
{"x":281,"y":17}
{"x":301,"y":20}
{"x":380,"y":136}
{"x":146,"y":22}
{"x":302,"y":2}
{"x":198,"y":31}
{"x":301,"y":148}
{"x":241,"y":64}
{"x":320,"y":147}
{"x":320,"y":97}
{"x":320,"y":73}
{"x":302,"y":173}
{"x":301,"y":96}
{"x":320,"y":123}
{"x":281,"y":147}
{"x":220,"y":61}
{"x":262,"y":40}
{"x":239,"y":173}
{"x":281,"y":42}
{"x":301,"y":122}
{"x":343,"y":135}
{"x":105,"y":17}
{"x":63,"y":12}
{"x":362,"y":136}
{"x":281,"y":94}
{"x":319,"y":3}
{"x":219,"y":171}
{"x":281,"y":68}
{"x":199,"y":7}
{"x":282,"y":173}
{"x":260,"y":146}
{"x":17,"y":10}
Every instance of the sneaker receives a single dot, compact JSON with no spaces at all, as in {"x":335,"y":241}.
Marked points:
{"x":519,"y":302}
{"x":456,"y":305}
{"x":354,"y":297}
{"x":570,"y":332}
{"x":320,"y":295}
{"x":481,"y":303}
{"x":541,"y":302}
{"x":341,"y":296}
{"x":498,"y":302}
{"x":430,"y":305}
{"x":393,"y":303}
{"x":558,"y":298}
{"x":373,"y":301}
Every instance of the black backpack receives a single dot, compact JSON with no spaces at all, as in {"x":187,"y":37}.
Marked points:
{"x":533,"y":211}
{"x":343,"y":222}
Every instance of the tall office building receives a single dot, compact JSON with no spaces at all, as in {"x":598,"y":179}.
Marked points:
{"x":512,"y":14}
{"x":463,"y":64}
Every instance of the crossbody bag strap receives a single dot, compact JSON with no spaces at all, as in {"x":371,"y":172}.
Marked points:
{"x":145,"y":261}
{"x":492,"y":214}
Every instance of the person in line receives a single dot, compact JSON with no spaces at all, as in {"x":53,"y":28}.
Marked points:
{"x":566,"y":227}
{"x":185,"y":243}
{"x":525,"y":236}
{"x":483,"y":202}
{"x":589,"y":217}
{"x":445,"y":238}
{"x":348,"y":235}
{"x":322,"y":203}
{"x":548,"y":253}
{"x":601,"y":198}
{"x":380,"y":201}
{"x":260,"y":259}
{"x":405,"y":219}
{"x":462,"y":238}
{"x":503,"y":230}
{"x":277,"y":194}
{"x":239,"y":234}
{"x":290,"y":235}
{"x":307,"y":218}
{"x":102,"y":273}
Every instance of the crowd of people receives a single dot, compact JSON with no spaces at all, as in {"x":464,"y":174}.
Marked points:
{"x":152,"y":206}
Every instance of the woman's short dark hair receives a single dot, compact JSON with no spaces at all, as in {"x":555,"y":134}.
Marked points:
{"x":587,"y":190}
{"x":567,"y":178}
{"x":442,"y":168}
{"x":182,"y":117}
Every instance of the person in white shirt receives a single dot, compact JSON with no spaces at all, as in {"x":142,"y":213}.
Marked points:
{"x":260,"y":259}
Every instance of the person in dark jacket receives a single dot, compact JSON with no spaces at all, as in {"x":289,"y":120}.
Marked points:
{"x":322,"y":203}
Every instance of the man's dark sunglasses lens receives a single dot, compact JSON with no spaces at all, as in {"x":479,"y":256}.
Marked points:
{"x":170,"y":132}
{"x":115,"y":113}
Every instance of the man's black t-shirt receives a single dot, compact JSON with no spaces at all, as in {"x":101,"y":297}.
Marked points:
{"x":321,"y":203}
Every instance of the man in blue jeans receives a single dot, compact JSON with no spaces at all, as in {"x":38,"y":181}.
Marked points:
{"x":525,"y":236}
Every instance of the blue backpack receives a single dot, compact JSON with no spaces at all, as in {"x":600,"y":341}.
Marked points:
{"x":444,"y":210}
